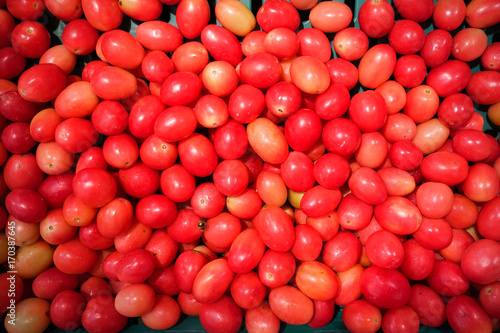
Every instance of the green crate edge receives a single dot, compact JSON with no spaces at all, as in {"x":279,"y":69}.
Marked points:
{"x":191,"y":324}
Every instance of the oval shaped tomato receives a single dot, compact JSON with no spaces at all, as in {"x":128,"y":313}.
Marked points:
{"x":291,"y":305}
{"x":316,"y":280}
{"x":376,"y":18}
{"x":191,"y":17}
{"x":484,"y":87}
{"x":122,"y":49}
{"x":482,"y":13}
{"x":267,"y":140}
{"x":368,"y":186}
{"x":278,"y":14}
{"x":41,"y":83}
{"x":275,"y":228}
{"x":159,"y":35}
{"x":368,"y":105}
{"x":418,"y":11}
{"x":449,"y":78}
{"x":310,"y":74}
{"x":246,"y":251}
{"x":180,"y":88}
{"x":449,"y":168}
{"x":222,"y":44}
{"x":102,"y":15}
{"x":318,"y":201}
{"x":480,"y":261}
{"x":385,"y":288}
{"x":330,"y":16}
{"x":212,"y":281}
{"x":113,"y":83}
{"x":465,"y":313}
{"x":235,"y":16}
{"x":398,"y":215}
{"x":469,"y":44}
{"x":489,"y":213}
{"x":376,"y":66}
{"x":260,"y":70}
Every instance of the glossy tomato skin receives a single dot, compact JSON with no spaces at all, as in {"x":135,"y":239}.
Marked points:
{"x":368,"y":105}
{"x":260,"y":70}
{"x":275,"y":228}
{"x":30,"y":39}
{"x":180,"y":88}
{"x":159,"y":35}
{"x":464,"y":313}
{"x":376,"y":18}
{"x":41,"y":83}
{"x":406,"y":37}
{"x":267,"y":140}
{"x":291,"y":305}
{"x":478,"y":261}
{"x":483,"y":87}
{"x":437,"y":47}
{"x":192,"y":16}
{"x":222,"y":44}
{"x":212,"y":281}
{"x":330,"y":17}
{"x":482,"y":14}
{"x":246,"y":251}
{"x":485,"y":220}
{"x":368,"y":186}
{"x":391,"y":217}
{"x":386,"y":288}
{"x":341,"y":136}
{"x":303,"y":129}
{"x":198,"y":150}
{"x":362,"y":316}
{"x":102,"y":15}
{"x":376,"y":66}
{"x":276,"y":14}
{"x":223,"y":315}
{"x":449,"y":78}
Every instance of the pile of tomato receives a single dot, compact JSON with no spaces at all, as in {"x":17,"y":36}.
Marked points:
{"x":237,"y":166}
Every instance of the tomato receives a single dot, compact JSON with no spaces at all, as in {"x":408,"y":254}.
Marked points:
{"x":447,"y":278}
{"x":65,"y":310}
{"x":235,"y":16}
{"x":488,"y":298}
{"x":32,"y":314}
{"x":197,"y":150}
{"x":310,"y":74}
{"x":223,"y":314}
{"x":110,"y":118}
{"x":159,"y":35}
{"x":186,"y":226}
{"x":220,"y":79}
{"x":12,"y":64}
{"x":406,"y":37}
{"x":100,"y":314}
{"x":291,"y":305}
{"x":486,"y":218}
{"x":308,"y":243}
{"x":186,"y":267}
{"x":113,"y":83}
{"x":267,"y":140}
{"x":342,"y":251}
{"x":446,"y":167}
{"x":429,"y":306}
{"x":102,"y":15}
{"x":398,"y":215}
{"x":341,"y":136}
{"x":16,"y":138}
{"x":333,"y":102}
{"x":434,"y":200}
{"x":421,"y":96}
{"x":418,"y":11}
{"x":386,"y":288}
{"x":488,"y":58}
{"x":277,"y":14}
{"x":410,"y":70}
{"x":465,"y":313}
{"x":368,"y":186}
{"x":431,"y":136}
{"x":30,"y":39}
{"x":478,"y":261}
{"x":180,"y":88}
{"x":190,"y":57}
{"x":275,"y":228}
{"x":76,"y":135}
{"x":174,"y":123}
{"x":66,"y":11}
{"x":469,"y":44}
{"x":260,"y":70}
{"x":314,"y":42}
{"x":376,"y":18}
{"x":400,"y":319}
{"x":483,"y":87}
{"x":296,"y":164}
{"x":342,"y":72}
{"x":164,"y":314}
{"x":316,"y":280}
{"x":80,"y":37}
{"x":41,"y":83}
{"x":246,"y":251}
{"x":330,"y":16}
{"x":449,"y":78}
{"x":177,"y":183}
{"x":482,"y":13}
{"x":94,"y":187}
{"x":449,"y":14}
{"x":376,"y":66}
{"x":122,"y":49}
{"x":144,"y":10}
{"x":231,"y":177}
{"x":191,"y":17}
{"x":368,"y":104}
{"x":437,"y":47}
{"x":222,"y":44}
{"x":482,"y":183}
{"x":362,"y":316}
{"x":331,"y":170}
{"x":384,"y":249}
{"x":276,"y":269}
{"x":212,"y":281}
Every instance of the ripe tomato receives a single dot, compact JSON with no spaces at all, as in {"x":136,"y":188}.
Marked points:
{"x":465,"y":313}
{"x":376,"y":18}
{"x":376,"y":66}
{"x":235,"y":17}
{"x":278,"y":14}
{"x":291,"y":305}
{"x":330,"y":16}
{"x":362,"y":316}
{"x":191,"y":17}
{"x":212,"y":281}
{"x":316,"y":280}
{"x":386,"y":288}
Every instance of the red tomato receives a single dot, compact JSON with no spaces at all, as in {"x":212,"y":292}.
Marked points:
{"x":310,"y":74}
{"x":122,"y":49}
{"x":276,"y":269}
{"x":267,"y":140}
{"x":175,"y":123}
{"x":66,"y":11}
{"x":102,"y":15}
{"x":479,"y":261}
{"x":386,"y":288}
{"x":316,"y":280}
{"x":277,"y":14}
{"x":246,"y":251}
{"x":449,"y":78}
{"x":437,"y":47}
{"x":330,"y":16}
{"x":376,"y":66}
{"x":222,"y":44}
{"x":275,"y":228}
{"x":41,"y":83}
{"x":222,"y":315}
{"x":260,"y":70}
{"x":368,"y":186}
{"x":482,"y":13}
{"x":297,"y":172}
{"x":446,"y":167}
{"x":144,"y":10}
{"x":314,"y":42}
{"x":384,"y":249}
{"x":482,"y":183}
{"x":341,"y":136}
{"x":212,"y":281}
{"x":342,"y":251}
{"x":333,"y":102}
{"x":483,"y":87}
{"x":418,"y":11}
{"x":30,"y":39}
{"x":418,"y":261}
{"x":12,"y":64}
{"x":350,"y":43}
{"x":489,"y":58}
{"x":400,"y":319}
{"x":190,"y":57}
{"x":94,"y":187}
{"x":180,"y":88}
{"x":291,"y":305}
{"x":342,"y":72}
{"x":376,"y":18}
{"x":283,"y":99}
{"x":80,"y":37}
{"x":76,"y":135}
{"x":368,"y":105}
{"x":469,"y":44}
{"x":195,"y":151}
{"x":464,"y":313}
{"x":447,"y":279}
{"x":406,"y":37}
{"x":429,"y":306}
{"x":331,"y":170}
{"x":449,"y":14}
{"x":362,"y":316}
{"x":398,"y":215}
{"x":113,"y":83}
{"x":191,"y":17}
{"x":159,"y":35}
{"x":230,"y":140}
{"x":410,"y":70}
{"x":485,"y":220}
